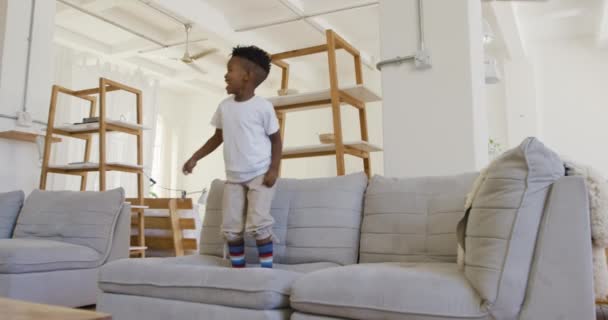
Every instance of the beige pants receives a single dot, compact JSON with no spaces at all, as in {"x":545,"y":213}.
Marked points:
{"x":246,"y":208}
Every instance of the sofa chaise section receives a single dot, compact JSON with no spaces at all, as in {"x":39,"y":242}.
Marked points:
{"x":527,"y":253}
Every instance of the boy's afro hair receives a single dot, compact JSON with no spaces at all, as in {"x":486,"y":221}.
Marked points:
{"x":254,"y":54}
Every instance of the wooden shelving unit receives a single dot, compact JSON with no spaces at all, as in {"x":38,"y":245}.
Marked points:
{"x":172,"y":222}
{"x":102,"y":128}
{"x":334,"y":97}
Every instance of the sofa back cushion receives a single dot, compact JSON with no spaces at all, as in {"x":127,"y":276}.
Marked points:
{"x":413,"y":219}
{"x":316,"y":220}
{"x":10,"y":205}
{"x":81,"y":218}
{"x":503,"y":222}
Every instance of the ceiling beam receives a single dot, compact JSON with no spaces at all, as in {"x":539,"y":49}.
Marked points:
{"x":79,"y":41}
{"x":153,"y":67}
{"x":602,"y":28}
{"x":131,"y":47}
{"x":133,"y":22}
{"x":97,"y":6}
{"x":509,"y":28}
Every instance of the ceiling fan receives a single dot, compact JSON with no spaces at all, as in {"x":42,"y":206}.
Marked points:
{"x":187,"y":58}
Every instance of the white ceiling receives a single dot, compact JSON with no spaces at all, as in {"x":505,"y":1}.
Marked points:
{"x":559,"y":19}
{"x":358,"y":26}
{"x":516,"y":25}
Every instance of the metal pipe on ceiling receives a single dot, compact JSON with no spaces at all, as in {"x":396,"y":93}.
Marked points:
{"x":304,"y":17}
{"x":150,"y":5}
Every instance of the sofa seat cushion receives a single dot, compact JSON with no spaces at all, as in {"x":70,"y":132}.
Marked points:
{"x":388,"y":291}
{"x":35,"y":255}
{"x":204,"y":279}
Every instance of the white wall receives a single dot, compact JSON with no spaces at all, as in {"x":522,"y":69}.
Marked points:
{"x":434,"y":120}
{"x":497,"y":112}
{"x":186,"y":119}
{"x":19,"y":161}
{"x":572,"y":77}
{"x":522,"y":101}
{"x":3,"y":13}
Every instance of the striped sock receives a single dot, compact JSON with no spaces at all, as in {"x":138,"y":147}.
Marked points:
{"x":265,"y":252}
{"x":237,"y":255}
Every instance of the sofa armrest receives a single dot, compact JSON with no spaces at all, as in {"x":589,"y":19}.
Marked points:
{"x":10,"y":205}
{"x":560,"y":284}
{"x":122,"y":235}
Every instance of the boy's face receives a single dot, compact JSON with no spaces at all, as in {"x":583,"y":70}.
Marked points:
{"x":236,"y":76}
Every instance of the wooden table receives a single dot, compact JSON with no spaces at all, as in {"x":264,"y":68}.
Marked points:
{"x":22,"y":310}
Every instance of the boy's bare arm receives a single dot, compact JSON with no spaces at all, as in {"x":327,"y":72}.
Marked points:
{"x":277,"y":148}
{"x":215,"y":141}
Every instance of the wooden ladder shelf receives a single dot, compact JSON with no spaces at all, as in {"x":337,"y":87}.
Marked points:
{"x":356,"y":96}
{"x":101,"y":128}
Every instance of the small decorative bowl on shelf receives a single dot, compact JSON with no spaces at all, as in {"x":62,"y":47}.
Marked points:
{"x":326,"y":138}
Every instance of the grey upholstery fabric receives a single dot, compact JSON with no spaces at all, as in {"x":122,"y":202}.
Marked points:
{"x":304,"y":316}
{"x":33,"y":255}
{"x":203,"y":279}
{"x":388,"y":291}
{"x":121,"y":239}
{"x":503,"y":224}
{"x":317,"y":220}
{"x":413,"y":219}
{"x":561,"y":275}
{"x":81,"y":218}
{"x":10,"y":204}
{"x":127,"y":307}
{"x":70,"y":288}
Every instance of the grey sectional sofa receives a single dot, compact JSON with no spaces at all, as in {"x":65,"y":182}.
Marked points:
{"x":53,"y":243}
{"x":387,"y":250}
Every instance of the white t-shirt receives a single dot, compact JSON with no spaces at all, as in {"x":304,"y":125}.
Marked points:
{"x":246,"y":126}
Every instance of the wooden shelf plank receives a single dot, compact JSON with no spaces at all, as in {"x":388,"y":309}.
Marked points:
{"x":166,"y":243}
{"x":23,"y":136}
{"x":81,"y":130}
{"x":139,"y":207}
{"x":322,"y":98}
{"x":91,"y":167}
{"x":163,"y":203}
{"x":164,"y":223}
{"x":361,"y":149}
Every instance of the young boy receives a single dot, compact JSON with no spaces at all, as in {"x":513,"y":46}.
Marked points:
{"x":249,"y":129}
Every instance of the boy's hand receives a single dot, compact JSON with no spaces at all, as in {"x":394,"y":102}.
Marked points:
{"x":270,"y":178}
{"x":188,"y":166}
